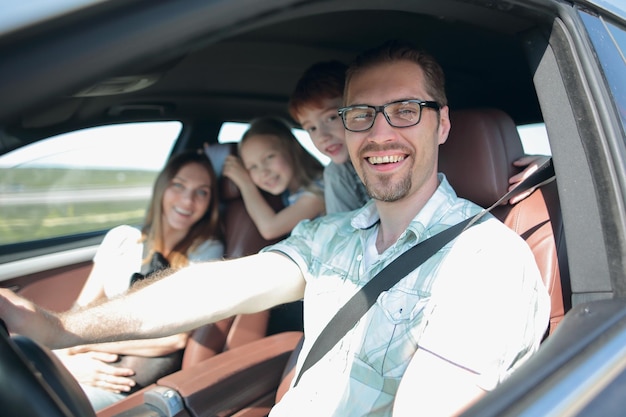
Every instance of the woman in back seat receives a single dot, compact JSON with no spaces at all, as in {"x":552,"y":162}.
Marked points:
{"x":182,"y":227}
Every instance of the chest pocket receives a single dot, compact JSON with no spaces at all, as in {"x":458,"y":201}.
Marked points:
{"x":400,"y":306}
{"x":393,"y":329}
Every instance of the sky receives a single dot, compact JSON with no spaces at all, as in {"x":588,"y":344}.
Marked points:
{"x":14,"y":14}
{"x":143,"y":146}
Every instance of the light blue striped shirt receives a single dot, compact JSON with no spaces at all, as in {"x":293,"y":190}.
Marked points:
{"x":459,"y":305}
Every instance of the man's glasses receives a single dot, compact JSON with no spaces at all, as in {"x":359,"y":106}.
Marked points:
{"x":403,"y":113}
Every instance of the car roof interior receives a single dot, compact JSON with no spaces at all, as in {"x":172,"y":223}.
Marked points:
{"x":237,"y":72}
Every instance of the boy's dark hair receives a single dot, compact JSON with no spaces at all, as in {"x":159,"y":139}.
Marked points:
{"x":323,"y":80}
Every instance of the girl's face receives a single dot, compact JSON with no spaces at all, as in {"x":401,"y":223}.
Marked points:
{"x":186,"y":199}
{"x":268,"y":164}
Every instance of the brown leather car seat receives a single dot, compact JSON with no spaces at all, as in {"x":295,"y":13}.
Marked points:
{"x":241,"y":238}
{"x":478,"y":160}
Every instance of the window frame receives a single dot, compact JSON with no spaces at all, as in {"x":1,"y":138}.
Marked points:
{"x":31,"y":246}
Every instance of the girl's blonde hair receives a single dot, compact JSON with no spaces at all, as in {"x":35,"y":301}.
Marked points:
{"x":208,"y":227}
{"x":305,"y":166}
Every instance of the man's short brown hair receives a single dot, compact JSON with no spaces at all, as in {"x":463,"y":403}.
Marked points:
{"x":393,"y":51}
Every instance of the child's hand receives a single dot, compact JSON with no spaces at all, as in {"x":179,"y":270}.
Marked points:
{"x":234,"y":169}
{"x":531,"y":162}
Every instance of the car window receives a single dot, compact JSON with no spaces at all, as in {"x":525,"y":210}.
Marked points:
{"x":233,"y":131}
{"x":534,"y":139}
{"x":83,"y":181}
{"x":609,"y":42}
{"x":17,"y":14}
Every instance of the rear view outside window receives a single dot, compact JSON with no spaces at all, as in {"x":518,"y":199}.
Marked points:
{"x":609,"y":41}
{"x":233,"y":131}
{"x":534,"y":138}
{"x":84,"y":181}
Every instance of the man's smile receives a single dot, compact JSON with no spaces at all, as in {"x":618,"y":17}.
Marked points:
{"x":376,"y":160}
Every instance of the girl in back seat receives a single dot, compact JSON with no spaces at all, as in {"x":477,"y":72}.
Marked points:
{"x":271,"y":159}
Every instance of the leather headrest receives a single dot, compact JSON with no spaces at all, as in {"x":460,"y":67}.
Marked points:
{"x":228,"y":189}
{"x":478,"y":155}
{"x":217,"y":153}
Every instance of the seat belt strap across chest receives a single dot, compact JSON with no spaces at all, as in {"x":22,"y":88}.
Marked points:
{"x":351,"y":312}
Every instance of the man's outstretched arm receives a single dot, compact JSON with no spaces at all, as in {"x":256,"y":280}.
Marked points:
{"x":180,"y":302}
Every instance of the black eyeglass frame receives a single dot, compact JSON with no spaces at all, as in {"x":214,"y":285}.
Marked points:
{"x":381,"y":109}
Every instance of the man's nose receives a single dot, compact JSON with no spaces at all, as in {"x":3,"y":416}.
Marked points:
{"x":380,"y":128}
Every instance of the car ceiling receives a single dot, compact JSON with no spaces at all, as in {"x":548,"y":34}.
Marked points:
{"x":250,"y":69}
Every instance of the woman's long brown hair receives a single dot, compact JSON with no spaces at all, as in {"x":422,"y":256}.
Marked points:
{"x":208,"y":227}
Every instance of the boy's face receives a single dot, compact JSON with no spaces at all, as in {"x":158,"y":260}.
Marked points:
{"x":325,"y":128}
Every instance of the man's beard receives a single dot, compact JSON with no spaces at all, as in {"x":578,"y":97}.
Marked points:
{"x":386,"y":191}
{"x":381,"y":186}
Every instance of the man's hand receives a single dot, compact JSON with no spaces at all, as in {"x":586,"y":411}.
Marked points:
{"x":23,"y":317}
{"x":92,"y":368}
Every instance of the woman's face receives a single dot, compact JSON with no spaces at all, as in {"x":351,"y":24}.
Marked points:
{"x":187,"y":197}
{"x":267,"y":164}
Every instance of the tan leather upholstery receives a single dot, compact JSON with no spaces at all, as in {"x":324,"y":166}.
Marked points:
{"x":206,"y":341}
{"x":543,"y":230}
{"x":478,"y":160}
{"x":478,"y":155}
{"x":64,"y":282}
{"x":241,"y":238}
{"x":289,"y":373}
{"x":244,"y":378}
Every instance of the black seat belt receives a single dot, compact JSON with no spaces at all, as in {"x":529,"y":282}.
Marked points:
{"x":348,"y":315}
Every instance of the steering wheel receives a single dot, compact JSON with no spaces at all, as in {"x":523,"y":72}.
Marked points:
{"x":34,"y":382}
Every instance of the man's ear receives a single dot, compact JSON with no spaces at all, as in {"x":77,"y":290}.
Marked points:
{"x":444,"y":124}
